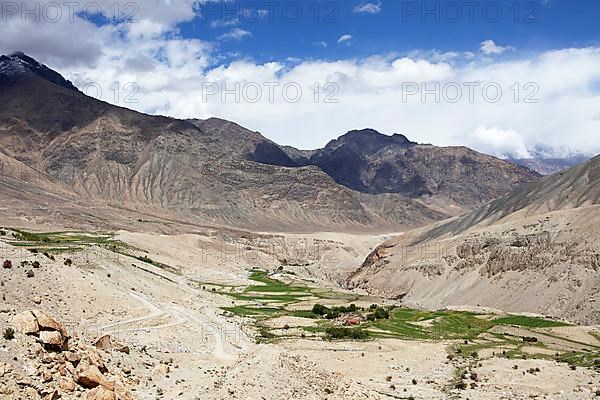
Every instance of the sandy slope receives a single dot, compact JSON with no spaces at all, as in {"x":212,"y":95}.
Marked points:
{"x":183,"y":347}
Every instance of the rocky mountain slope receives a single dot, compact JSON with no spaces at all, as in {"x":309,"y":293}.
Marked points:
{"x":530,"y":251}
{"x":201,"y":171}
{"x":217,"y":172}
{"x":549,"y":165}
{"x":457,"y":177}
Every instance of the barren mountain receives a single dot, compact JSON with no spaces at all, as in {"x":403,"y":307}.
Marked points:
{"x":530,"y":251}
{"x":458,"y":177}
{"x":548,"y":166}
{"x":202,"y":171}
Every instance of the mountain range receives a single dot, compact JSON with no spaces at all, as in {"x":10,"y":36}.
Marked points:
{"x":216,"y":172}
{"x":533,"y":250}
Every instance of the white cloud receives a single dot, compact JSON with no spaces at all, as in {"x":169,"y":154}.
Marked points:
{"x":172,"y":72}
{"x":235,"y":34}
{"x":344,"y":39}
{"x":499,"y":142}
{"x":368,"y":8}
{"x":490,"y":47}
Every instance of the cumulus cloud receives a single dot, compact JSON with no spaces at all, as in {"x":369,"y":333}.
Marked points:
{"x":548,"y":98}
{"x":503,"y":143}
{"x":368,"y":8}
{"x":490,"y":47}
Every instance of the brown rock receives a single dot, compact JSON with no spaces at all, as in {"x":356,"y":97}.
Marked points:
{"x":46,"y":376}
{"x":101,"y":393}
{"x":122,"y":348}
{"x":89,"y":376}
{"x":161,"y":369}
{"x":95,"y":358}
{"x":53,"y":339}
{"x":121,"y":392}
{"x":48,"y":323}
{"x":73,"y":358}
{"x":52,"y":396}
{"x":67,"y":384}
{"x":25,"y":323}
{"x":104,"y":343}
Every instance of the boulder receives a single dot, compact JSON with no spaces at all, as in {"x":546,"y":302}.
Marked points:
{"x":122,"y":348}
{"x":101,"y":393}
{"x":73,"y":358}
{"x":25,"y":323}
{"x":92,"y":357}
{"x":104,"y":343}
{"x":48,"y":323}
{"x":66,"y":384}
{"x":53,"y":339}
{"x":89,"y":376}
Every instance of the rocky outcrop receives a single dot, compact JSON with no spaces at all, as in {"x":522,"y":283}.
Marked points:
{"x":534,"y":250}
{"x":216,"y":172}
{"x":80,"y":371}
{"x":370,"y":162}
{"x":51,"y":333}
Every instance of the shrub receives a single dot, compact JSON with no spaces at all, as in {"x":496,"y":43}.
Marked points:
{"x":7,"y":264}
{"x":378,"y":313}
{"x":381,"y":313}
{"x":68,"y":262}
{"x":9,"y":334}
{"x":320,"y":309}
{"x":36,"y":264}
{"x":336,"y":332}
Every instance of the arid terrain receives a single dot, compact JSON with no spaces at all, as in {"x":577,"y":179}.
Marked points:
{"x":146,"y":257}
{"x":194,"y":326}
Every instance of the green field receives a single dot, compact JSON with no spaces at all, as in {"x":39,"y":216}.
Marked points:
{"x":529,"y":322}
{"x":59,"y":243}
{"x":471,"y":333}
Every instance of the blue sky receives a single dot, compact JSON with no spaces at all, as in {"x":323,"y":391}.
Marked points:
{"x":392,"y":26}
{"x":378,"y":60}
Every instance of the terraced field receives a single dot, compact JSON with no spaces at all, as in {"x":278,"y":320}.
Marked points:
{"x":52,"y":244}
{"x":280,"y":309}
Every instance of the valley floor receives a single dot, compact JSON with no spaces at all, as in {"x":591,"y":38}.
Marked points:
{"x":202,"y":322}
